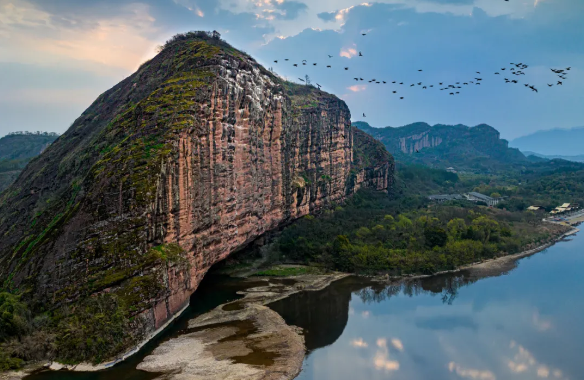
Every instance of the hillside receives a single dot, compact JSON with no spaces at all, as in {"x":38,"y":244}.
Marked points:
{"x":578,"y":158}
{"x":192,"y":157}
{"x":474,"y":149}
{"x":17,"y":149}
{"x":553,"y":142}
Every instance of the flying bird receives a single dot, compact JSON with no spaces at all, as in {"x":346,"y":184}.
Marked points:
{"x":276,"y":61}
{"x":401,"y":97}
{"x":560,"y":83}
{"x":328,"y":67}
{"x":419,"y":70}
{"x":363,"y":34}
{"x":346,"y":68}
{"x":360,"y":54}
{"x":364,"y":114}
{"x":295,"y":65}
{"x":302,"y":80}
{"x":330,"y":56}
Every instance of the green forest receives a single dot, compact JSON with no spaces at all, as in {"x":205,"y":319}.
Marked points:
{"x":374,"y":234}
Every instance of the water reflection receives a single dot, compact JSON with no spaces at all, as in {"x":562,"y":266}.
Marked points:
{"x":524,"y":325}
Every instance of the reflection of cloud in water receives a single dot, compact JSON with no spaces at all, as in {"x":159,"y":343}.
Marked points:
{"x":397,"y":344}
{"x":541,"y":324}
{"x":524,"y":362}
{"x":381,"y":359}
{"x":470,"y":373}
{"x":359,"y":343}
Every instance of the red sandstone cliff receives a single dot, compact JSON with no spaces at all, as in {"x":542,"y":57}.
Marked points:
{"x":195,"y":155}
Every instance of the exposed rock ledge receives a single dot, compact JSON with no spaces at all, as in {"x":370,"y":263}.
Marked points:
{"x":239,"y":340}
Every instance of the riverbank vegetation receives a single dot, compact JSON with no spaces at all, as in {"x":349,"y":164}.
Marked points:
{"x":374,"y":234}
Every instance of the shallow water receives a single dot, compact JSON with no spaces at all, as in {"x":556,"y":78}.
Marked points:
{"x":524,"y":324}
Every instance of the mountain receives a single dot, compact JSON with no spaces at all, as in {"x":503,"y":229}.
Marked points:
{"x":192,"y":157}
{"x":579,"y":158}
{"x":553,"y":142}
{"x":17,"y":149}
{"x":475,"y":149}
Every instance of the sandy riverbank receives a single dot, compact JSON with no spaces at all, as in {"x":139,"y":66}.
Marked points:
{"x":240,"y":340}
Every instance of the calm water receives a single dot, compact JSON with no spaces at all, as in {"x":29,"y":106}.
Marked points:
{"x":525,"y":324}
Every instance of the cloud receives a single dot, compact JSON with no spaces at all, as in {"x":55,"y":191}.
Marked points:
{"x":349,"y":52}
{"x":470,"y":373}
{"x":290,"y":9}
{"x":327,"y":16}
{"x":359,"y":343}
{"x":455,"y":2}
{"x":357,"y":88}
{"x":365,"y":314}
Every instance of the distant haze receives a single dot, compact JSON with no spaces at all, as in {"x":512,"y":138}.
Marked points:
{"x":566,"y":142}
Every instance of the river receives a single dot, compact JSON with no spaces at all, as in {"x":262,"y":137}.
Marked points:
{"x":522,"y":324}
{"x":525,"y":323}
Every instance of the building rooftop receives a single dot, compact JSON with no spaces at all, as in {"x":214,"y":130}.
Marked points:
{"x":480,"y":196}
{"x":445,"y":197}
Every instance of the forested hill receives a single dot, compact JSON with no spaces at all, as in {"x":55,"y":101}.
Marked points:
{"x":476,"y":149}
{"x":17,"y":149}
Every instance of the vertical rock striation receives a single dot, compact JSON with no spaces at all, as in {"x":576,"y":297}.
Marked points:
{"x":195,"y":155}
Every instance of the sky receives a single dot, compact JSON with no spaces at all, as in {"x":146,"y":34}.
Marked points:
{"x":57,"y":56}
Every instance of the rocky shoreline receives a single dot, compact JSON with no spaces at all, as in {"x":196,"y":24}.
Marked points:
{"x":239,"y":340}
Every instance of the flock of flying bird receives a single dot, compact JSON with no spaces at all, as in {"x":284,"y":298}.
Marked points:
{"x":452,"y":89}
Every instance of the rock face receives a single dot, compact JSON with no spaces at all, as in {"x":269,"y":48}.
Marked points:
{"x":198,"y":153}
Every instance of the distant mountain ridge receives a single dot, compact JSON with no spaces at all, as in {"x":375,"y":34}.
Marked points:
{"x":476,"y":149}
{"x":17,"y":149}
{"x":578,"y":158}
{"x":553,"y":142}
